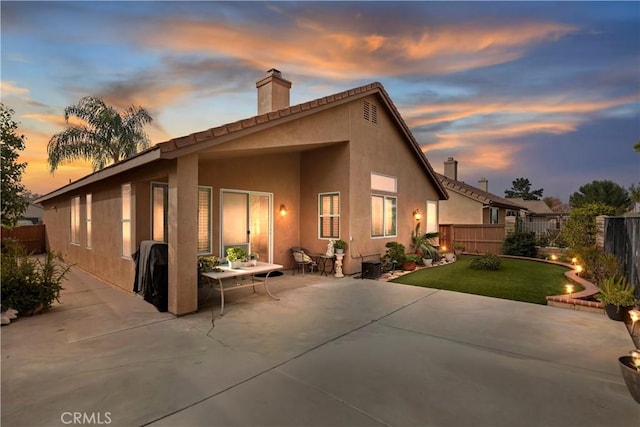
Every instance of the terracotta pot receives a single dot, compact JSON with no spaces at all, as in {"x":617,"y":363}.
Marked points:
{"x":631,"y":376}
{"x":409,"y":265}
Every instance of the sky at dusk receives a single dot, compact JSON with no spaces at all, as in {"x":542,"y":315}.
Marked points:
{"x":549,"y":91}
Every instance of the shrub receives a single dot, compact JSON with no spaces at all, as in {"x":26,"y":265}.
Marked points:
{"x":486,"y":262}
{"x":520,"y":244}
{"x":617,"y":291}
{"x":27,"y":283}
{"x":597,"y":265}
{"x":580,"y":229}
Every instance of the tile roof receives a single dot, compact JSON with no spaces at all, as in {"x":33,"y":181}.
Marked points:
{"x":477,"y":194}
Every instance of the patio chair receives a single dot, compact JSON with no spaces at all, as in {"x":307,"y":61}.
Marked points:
{"x":302,"y":261}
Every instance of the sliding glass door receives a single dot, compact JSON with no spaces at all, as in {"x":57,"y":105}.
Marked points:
{"x":246,"y":221}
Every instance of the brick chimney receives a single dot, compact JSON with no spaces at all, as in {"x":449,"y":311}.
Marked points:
{"x":483,"y":184}
{"x":273,"y":92}
{"x":451,"y":169}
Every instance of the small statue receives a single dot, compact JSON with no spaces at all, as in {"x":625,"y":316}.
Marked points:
{"x":330,"y":250}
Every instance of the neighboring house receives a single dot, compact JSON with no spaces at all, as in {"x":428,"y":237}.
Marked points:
{"x":539,"y":218}
{"x":32,"y":215}
{"x":472,"y":205}
{"x":343,"y":166}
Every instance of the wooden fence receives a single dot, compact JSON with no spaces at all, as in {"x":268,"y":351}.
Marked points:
{"x":476,"y":238}
{"x":32,"y":237}
{"x":622,"y":238}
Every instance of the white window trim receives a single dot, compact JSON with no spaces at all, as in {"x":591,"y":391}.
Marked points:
{"x":129,"y":220}
{"x":384,"y":218}
{"x":74,"y":209}
{"x":88,"y":207}
{"x":320,"y":216}
{"x":395,"y":185}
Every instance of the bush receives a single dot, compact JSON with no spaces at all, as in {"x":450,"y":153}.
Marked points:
{"x":597,"y":265}
{"x":520,"y":244}
{"x":486,"y":262}
{"x":580,"y":229}
{"x":28,"y":284}
{"x":615,"y":290}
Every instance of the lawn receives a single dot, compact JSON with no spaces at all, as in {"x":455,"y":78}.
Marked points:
{"x":517,"y":280}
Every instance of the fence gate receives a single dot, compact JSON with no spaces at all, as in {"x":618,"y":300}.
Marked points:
{"x":622,"y":238}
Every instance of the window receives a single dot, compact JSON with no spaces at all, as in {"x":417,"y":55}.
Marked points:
{"x":432,"y":217}
{"x":493,"y":215}
{"x":75,"y":220}
{"x":329,"y":215}
{"x":204,"y":220}
{"x":88,"y":209}
{"x":159,"y":211}
{"x":384,"y":183}
{"x":126,"y":220}
{"x":383,"y":216}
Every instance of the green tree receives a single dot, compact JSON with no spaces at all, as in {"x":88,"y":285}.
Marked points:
{"x":606,"y":192}
{"x":14,"y":199}
{"x":105,"y":136}
{"x":580,"y":229}
{"x":521,"y":187}
{"x":637,"y":146}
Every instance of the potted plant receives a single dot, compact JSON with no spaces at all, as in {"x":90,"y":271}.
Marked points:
{"x":422,"y":245}
{"x":340,"y":246}
{"x":458,"y":247}
{"x":394,"y":255}
{"x":235,"y":256}
{"x":410,"y":260}
{"x":253,"y":258}
{"x":617,"y":296}
{"x":630,"y":368}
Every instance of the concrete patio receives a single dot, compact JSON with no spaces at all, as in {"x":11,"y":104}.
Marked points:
{"x":331,"y":352}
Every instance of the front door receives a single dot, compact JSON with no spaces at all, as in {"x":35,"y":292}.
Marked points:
{"x":246,"y":222}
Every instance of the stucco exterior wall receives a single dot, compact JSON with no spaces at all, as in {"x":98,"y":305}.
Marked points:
{"x":461,"y":210}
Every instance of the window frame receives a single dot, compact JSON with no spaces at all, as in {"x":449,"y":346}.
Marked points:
{"x":165,"y":202}
{"x":88,"y":213}
{"x":74,"y":223}
{"x":493,"y":209}
{"x":331,"y":215}
{"x":384,"y":234}
{"x":128,"y":220}
{"x":209,"y":189}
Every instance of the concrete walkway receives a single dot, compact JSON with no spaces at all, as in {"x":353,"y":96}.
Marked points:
{"x":331,"y":352}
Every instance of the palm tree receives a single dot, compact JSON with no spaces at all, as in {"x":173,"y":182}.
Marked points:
{"x":105,"y":135}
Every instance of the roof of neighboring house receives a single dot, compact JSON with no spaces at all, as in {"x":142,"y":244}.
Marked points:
{"x":205,"y":139}
{"x":477,"y":194}
{"x":537,"y":207}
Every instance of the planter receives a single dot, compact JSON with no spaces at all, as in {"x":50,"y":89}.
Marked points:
{"x":253,"y":262}
{"x":428,"y":262}
{"x":448,"y":257}
{"x":409,"y":265}
{"x":235,"y":264}
{"x":339,"y":251}
{"x":618,"y":313}
{"x":631,"y":376}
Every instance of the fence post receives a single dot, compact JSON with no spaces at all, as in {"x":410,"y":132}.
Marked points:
{"x":600,"y":227}
{"x":509,"y":225}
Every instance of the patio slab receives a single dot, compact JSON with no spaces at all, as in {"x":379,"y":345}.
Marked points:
{"x":338,"y":352}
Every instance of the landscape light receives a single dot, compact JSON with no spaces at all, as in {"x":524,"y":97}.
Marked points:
{"x":568,"y":289}
{"x":635,"y":316}
{"x":579,"y":268}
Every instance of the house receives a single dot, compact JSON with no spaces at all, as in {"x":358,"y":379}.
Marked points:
{"x":343,"y":166}
{"x":540,"y":219}
{"x":32,"y":215}
{"x":472,"y":205}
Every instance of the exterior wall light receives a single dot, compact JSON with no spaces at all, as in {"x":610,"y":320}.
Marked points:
{"x":283,"y":210}
{"x":417,"y":214}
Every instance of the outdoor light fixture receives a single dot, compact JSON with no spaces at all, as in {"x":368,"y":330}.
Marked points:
{"x":635,"y":357}
{"x":635,"y":316}
{"x":554,"y":257}
{"x":574,"y":260}
{"x":283,"y":210}
{"x":417,"y":214}
{"x":578,"y":268}
{"x":568,"y":289}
